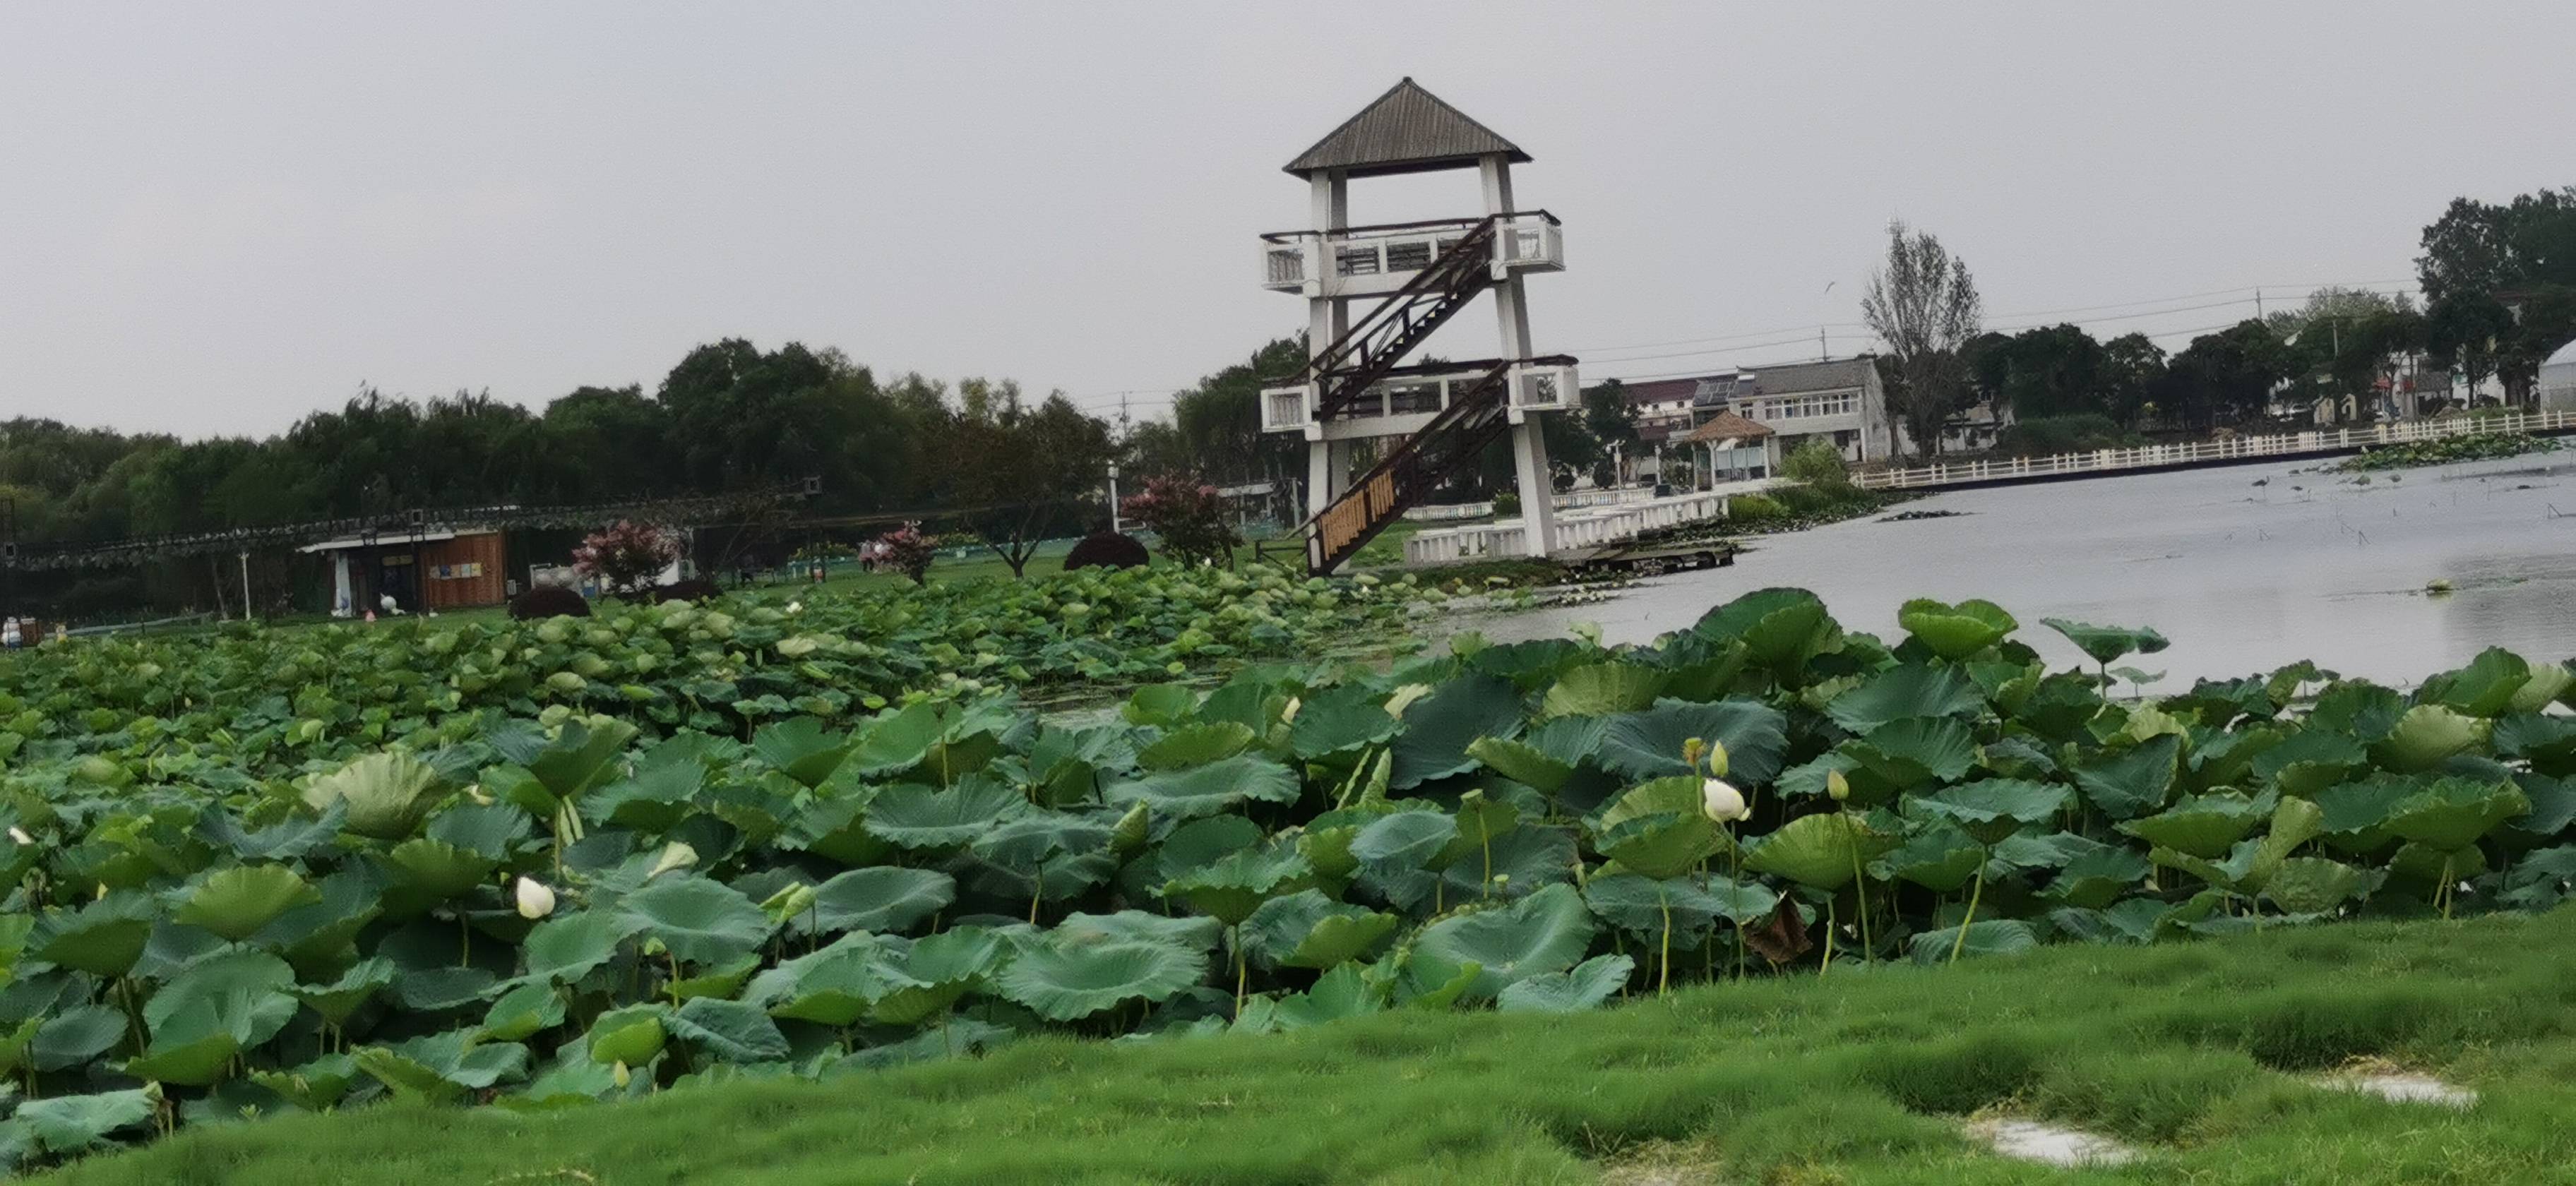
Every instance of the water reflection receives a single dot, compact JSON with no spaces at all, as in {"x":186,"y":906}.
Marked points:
{"x":2244,"y":568}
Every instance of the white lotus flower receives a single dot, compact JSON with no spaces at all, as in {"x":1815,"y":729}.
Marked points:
{"x":796,"y":607}
{"x":675,"y":855}
{"x":1723,"y":803}
{"x":20,"y":835}
{"x":535,"y":900}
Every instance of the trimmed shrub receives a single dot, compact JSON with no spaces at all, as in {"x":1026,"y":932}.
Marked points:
{"x":2042,"y":435}
{"x":693,"y":589}
{"x":1817,"y":465}
{"x":1107,"y":549}
{"x":550,"y":601}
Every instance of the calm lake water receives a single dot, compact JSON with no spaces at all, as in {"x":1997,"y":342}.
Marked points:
{"x":2241,"y":577}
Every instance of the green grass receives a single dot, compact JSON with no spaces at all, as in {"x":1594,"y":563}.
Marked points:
{"x":2195,"y":1051}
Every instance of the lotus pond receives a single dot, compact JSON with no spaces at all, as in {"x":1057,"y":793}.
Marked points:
{"x":230,"y":900}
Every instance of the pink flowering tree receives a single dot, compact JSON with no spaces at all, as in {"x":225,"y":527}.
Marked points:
{"x":626,"y":557}
{"x":906,"y":550}
{"x":1189,"y":515}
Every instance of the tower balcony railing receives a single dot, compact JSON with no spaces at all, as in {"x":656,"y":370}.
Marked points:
{"x":1367,"y":260}
{"x":1537,"y":385}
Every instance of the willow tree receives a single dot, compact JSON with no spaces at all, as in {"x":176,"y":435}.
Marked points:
{"x":1923,"y":306}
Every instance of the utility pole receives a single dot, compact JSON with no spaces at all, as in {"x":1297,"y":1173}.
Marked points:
{"x":245,"y":575}
{"x":1822,"y":354}
{"x":1113,"y":499}
{"x":2258,"y":304}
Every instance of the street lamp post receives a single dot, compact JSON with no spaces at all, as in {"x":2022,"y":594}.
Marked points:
{"x":1113,"y":498}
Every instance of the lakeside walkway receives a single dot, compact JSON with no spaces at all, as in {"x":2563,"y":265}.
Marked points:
{"x":2287,"y":446}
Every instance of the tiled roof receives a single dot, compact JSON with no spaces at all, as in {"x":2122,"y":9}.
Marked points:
{"x":1725,"y":426}
{"x":1407,"y":130}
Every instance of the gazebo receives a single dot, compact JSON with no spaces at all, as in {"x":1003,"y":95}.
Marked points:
{"x":1735,"y":448}
{"x":2555,"y":387}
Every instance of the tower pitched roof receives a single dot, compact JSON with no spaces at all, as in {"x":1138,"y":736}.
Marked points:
{"x":1407,"y":130}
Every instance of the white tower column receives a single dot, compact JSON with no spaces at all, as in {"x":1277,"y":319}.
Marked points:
{"x":1529,"y":443}
{"x":1328,"y":470}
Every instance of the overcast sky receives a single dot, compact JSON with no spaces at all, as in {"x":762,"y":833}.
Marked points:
{"x":216,"y":218}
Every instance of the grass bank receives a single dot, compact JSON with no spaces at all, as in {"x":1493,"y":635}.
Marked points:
{"x":2198,"y":1053}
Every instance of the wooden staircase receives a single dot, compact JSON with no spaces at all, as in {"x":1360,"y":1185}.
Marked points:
{"x":1345,"y":369}
{"x":1454,"y":440}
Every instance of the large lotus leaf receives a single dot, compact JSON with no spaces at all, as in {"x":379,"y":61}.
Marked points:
{"x":1185,"y":746}
{"x":1940,"y":858}
{"x":285,"y":841}
{"x":1638,"y":904}
{"x":2426,"y":736}
{"x":1676,"y":795}
{"x":835,"y":986}
{"x":316,"y":1086}
{"x":1898,"y":693}
{"x":2309,"y":761}
{"x":1990,"y":936}
{"x":103,"y":937}
{"x":1585,"y":987}
{"x":1159,"y":704}
{"x":1823,"y":851}
{"x":2541,"y":879}
{"x":899,"y":739}
{"x":583,"y":754}
{"x":886,"y":899}
{"x":197,"y":1062}
{"x":1201,"y":842}
{"x":914,"y":816}
{"x":1955,"y":632}
{"x":1778,"y":628}
{"x":1345,"y":717}
{"x":1600,"y":689}
{"x":2453,"y":813}
{"x":2547,"y":741}
{"x":2549,"y":682}
{"x":633,"y":1035}
{"x":2107,"y":644}
{"x":76,"y":1036}
{"x":437,"y":869}
{"x":236,"y":902}
{"x":1207,"y":790}
{"x":802,"y":748}
{"x":1065,"y":981}
{"x":2098,"y":878}
{"x":1235,"y":885}
{"x":1338,"y":994}
{"x":1649,"y":744}
{"x":1901,"y":756}
{"x":2437,"y":866}
{"x":1439,"y":727}
{"x":1548,"y":931}
{"x":1659,"y":846}
{"x":936,"y":971}
{"x":16,"y":1043}
{"x":700,"y":921}
{"x":2204,"y":825}
{"x":2239,"y":873}
{"x":567,"y":946}
{"x":1991,"y":809}
{"x":1522,"y":763}
{"x":729,"y":1031}
{"x":386,"y":794}
{"x":488,"y":829}
{"x":241,"y":992}
{"x":1406,"y":839}
{"x":67,"y":1124}
{"x":1427,"y":981}
{"x":1308,"y":930}
{"x":1192,"y":932}
{"x":835,"y":828}
{"x":2356,"y":812}
{"x":2484,"y":688}
{"x":2315,"y":885}
{"x":1025,"y":843}
{"x":666,"y":786}
{"x":521,"y":1013}
{"x":2132,"y":782}
{"x":442,"y":1067}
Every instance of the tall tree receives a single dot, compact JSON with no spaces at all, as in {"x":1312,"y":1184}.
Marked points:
{"x":1923,"y":306}
{"x":2132,"y":365}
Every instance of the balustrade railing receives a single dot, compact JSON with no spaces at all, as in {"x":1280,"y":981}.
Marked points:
{"x":2288,"y":444}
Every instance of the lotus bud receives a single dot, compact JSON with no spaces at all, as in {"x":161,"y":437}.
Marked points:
{"x":621,"y":1076}
{"x":1721,"y":802}
{"x":20,"y":835}
{"x":675,"y":855}
{"x":1691,"y":750}
{"x":535,"y":900}
{"x":1289,"y":713}
{"x":481,"y":797}
{"x":796,"y":607}
{"x":1837,"y":786}
{"x":1717,"y":759}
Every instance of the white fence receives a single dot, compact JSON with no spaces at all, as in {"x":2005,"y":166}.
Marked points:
{"x":2284,"y":445}
{"x":1578,"y":529}
{"x":1450,"y":512}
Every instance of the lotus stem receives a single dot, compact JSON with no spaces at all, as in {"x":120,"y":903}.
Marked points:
{"x":1827,"y":964}
{"x":1663,"y":898}
{"x":1860,"y":886}
{"x":1486,"y":838}
{"x":1241,"y":972}
{"x":2446,"y":894}
{"x":1974,"y":896}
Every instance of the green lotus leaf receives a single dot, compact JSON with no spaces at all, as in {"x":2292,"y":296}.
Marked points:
{"x":1191,"y":932}
{"x":2203,"y":825}
{"x":2546,"y":741}
{"x":1339,"y":719}
{"x":386,"y":794}
{"x":2356,"y":813}
{"x":2541,"y":879}
{"x":1406,"y":840}
{"x":521,"y":1012}
{"x":885,"y":899}
{"x":199,"y":1062}
{"x":2484,"y":688}
{"x":899,"y":740}
{"x":1778,"y":628}
{"x":582,"y":755}
{"x":1990,"y":936}
{"x":1024,"y":843}
{"x":1065,"y":981}
{"x":1940,"y":858}
{"x":2426,"y":736}
{"x":802,"y":748}
{"x":76,"y":1036}
{"x":1548,"y":931}
{"x":835,"y":986}
{"x":2096,"y":879}
{"x":700,"y":921}
{"x":103,"y":937}
{"x":663,"y":790}
{"x":17,"y":1043}
{"x":1583,"y":988}
{"x":1600,"y":689}
{"x":1235,"y":885}
{"x":316,"y":1086}
{"x":1341,"y":993}
{"x":1185,"y":746}
{"x":1526,"y":764}
{"x":287,"y":841}
{"x":2437,"y":866}
{"x":1207,"y":790}
{"x":1904,"y":692}
{"x":2132,"y":782}
{"x":2549,"y":682}
{"x":1638,"y":904}
{"x":1159,"y":704}
{"x":1823,"y":851}
{"x":1438,"y":728}
{"x":633,"y":1035}
{"x":2237,"y":873}
{"x":67,"y":1124}
{"x":1308,"y":930}
{"x":442,"y":1067}
{"x":1649,"y":744}
{"x":438,"y":869}
{"x":2314,"y":885}
{"x":485,"y":829}
{"x":2108,"y":644}
{"x":1660,"y":846}
{"x":2454,"y":813}
{"x":1955,"y":632}
{"x":1991,"y":809}
{"x":729,"y":1031}
{"x":936,"y":970}
{"x":569,"y":945}
{"x":236,"y":902}
{"x":910,"y":815}
{"x":1901,"y":756}
{"x":2309,"y":761}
